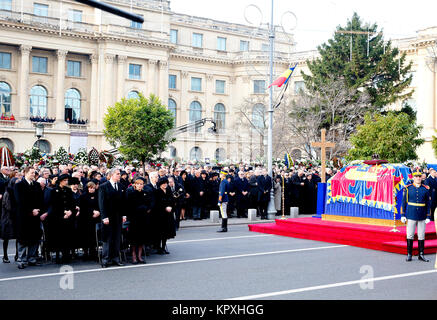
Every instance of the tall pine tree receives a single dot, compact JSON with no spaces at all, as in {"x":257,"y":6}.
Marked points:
{"x":375,"y":67}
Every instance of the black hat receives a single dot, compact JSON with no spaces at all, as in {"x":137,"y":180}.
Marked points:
{"x":162,"y":180}
{"x":63,"y":177}
{"x":73,"y":181}
{"x":203,"y":172}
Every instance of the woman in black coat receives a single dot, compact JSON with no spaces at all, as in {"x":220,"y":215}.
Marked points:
{"x":61,"y":215}
{"x":164,"y":213}
{"x":139,"y":216}
{"x":185,"y":183}
{"x":87,"y":220}
{"x":8,"y":219}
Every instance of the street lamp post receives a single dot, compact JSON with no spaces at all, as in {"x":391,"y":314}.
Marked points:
{"x":39,"y":132}
{"x":271,"y":210}
{"x":271,"y":32}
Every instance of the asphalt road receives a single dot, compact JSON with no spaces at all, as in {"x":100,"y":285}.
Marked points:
{"x":206,"y":265}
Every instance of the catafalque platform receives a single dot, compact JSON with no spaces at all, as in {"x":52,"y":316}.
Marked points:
{"x":353,"y":234}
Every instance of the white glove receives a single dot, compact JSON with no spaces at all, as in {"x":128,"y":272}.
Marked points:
{"x":427,"y":221}
{"x":403,"y":219}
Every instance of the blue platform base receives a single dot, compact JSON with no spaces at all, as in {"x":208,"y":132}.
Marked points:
{"x":321,"y":195}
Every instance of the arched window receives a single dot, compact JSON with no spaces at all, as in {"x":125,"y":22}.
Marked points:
{"x":172,"y":108}
{"x":38,"y":101}
{"x":258,"y":116}
{"x":5,"y":142}
{"x":219,"y":117}
{"x":5,"y":99}
{"x":43,"y":146}
{"x":72,"y":105}
{"x":196,"y":154}
{"x":296,"y":154}
{"x":172,"y":152}
{"x":133,"y":95}
{"x":220,"y":154}
{"x":195,"y":113}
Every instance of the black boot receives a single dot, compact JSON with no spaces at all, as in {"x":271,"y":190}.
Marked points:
{"x":422,"y":251}
{"x":224,"y":225}
{"x":409,"y":249}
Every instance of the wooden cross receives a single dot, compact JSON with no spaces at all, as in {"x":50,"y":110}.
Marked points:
{"x":323,"y":145}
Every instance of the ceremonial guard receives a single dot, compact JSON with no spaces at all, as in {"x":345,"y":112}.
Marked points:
{"x":223,"y":199}
{"x":416,"y":210}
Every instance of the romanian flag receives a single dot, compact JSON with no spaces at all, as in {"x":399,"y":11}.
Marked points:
{"x":283,"y":78}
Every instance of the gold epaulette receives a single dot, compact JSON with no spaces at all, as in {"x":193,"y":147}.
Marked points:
{"x":425,"y":186}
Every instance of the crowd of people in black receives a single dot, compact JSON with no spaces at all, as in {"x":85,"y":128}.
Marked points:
{"x":94,"y":213}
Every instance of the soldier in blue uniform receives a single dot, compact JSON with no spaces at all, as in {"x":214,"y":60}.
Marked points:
{"x":224,"y":199}
{"x":416,"y":211}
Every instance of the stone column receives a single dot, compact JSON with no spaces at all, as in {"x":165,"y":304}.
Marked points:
{"x":163,"y":81}
{"x":60,"y":90}
{"x":151,"y":78}
{"x":108,"y":91}
{"x":121,"y":75}
{"x":425,"y":101}
{"x":94,"y":95}
{"x":23,"y":90}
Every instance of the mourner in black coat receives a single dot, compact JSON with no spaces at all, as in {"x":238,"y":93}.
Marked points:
{"x":112,"y":204}
{"x":88,"y":220}
{"x":431,"y":182}
{"x":28,"y":196}
{"x":139,"y":216}
{"x":242,"y":194}
{"x":8,"y":219}
{"x":61,"y":220}
{"x":164,"y":212}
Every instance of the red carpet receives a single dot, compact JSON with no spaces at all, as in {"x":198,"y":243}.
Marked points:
{"x":358,"y":235}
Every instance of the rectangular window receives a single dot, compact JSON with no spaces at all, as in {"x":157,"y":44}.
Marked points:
{"x":265,"y":47}
{"x":220,"y":86}
{"x":299,"y":86}
{"x":221,"y":43}
{"x":75,"y":15}
{"x":134,"y":71}
{"x":39,"y":64}
{"x":173,"y":36}
{"x":244,"y":45}
{"x":259,"y":86}
{"x":41,"y":10}
{"x":6,"y":5}
{"x":73,"y":68}
{"x":196,"y":84}
{"x":171,"y":81}
{"x":5,"y":60}
{"x":197,"y":40}
{"x":136,"y":25}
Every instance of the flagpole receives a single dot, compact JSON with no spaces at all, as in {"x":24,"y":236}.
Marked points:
{"x":271,"y":207}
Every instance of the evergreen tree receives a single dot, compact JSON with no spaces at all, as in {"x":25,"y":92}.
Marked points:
{"x":381,"y":72}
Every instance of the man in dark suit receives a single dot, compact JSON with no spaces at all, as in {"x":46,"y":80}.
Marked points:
{"x":29,"y":198}
{"x":111,"y":204}
{"x":264,"y":186}
{"x":242,"y":194}
{"x":431,"y":181}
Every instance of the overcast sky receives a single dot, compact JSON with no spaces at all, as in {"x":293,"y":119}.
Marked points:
{"x":317,"y":19}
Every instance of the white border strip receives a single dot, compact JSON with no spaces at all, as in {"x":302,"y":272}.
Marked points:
{"x":169,"y":263}
{"x":333,"y":285}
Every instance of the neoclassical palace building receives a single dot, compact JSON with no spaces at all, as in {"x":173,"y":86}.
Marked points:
{"x":63,"y":63}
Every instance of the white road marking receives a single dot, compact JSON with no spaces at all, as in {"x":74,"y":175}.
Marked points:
{"x":224,"y":238}
{"x":332,"y":285}
{"x":170,"y":263}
